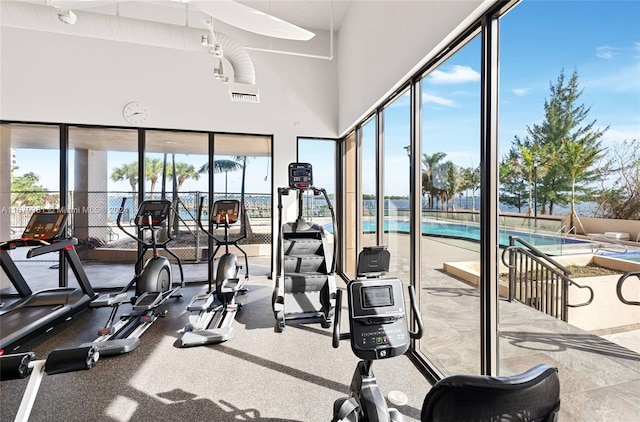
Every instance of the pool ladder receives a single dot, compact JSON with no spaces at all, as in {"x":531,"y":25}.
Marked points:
{"x":604,"y":244}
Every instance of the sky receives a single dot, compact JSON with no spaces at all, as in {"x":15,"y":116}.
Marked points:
{"x":538,"y":39}
{"x":599,"y":39}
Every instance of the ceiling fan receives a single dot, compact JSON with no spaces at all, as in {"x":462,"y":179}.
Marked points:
{"x":228,"y":11}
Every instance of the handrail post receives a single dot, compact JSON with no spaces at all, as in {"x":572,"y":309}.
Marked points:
{"x":565,"y":300}
{"x":512,"y":275}
{"x":195,"y":201}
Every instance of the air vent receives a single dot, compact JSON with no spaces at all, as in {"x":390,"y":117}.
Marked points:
{"x":244,"y":93}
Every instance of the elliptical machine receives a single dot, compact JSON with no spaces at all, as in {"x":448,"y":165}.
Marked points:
{"x":305,"y":279}
{"x":378,"y":330}
{"x":154,"y":283}
{"x":217,"y":308}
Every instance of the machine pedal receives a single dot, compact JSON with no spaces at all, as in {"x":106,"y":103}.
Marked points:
{"x":201,"y":302}
{"x":209,"y":336}
{"x":114,"y":347}
{"x":109,"y":299}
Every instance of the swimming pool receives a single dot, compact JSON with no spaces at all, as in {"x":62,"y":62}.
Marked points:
{"x":470,"y":232}
{"x":633,"y":256}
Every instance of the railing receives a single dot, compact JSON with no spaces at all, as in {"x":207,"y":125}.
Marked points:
{"x":597,"y":247}
{"x":539,"y":281}
{"x":92,"y":217}
{"x":621,"y":281}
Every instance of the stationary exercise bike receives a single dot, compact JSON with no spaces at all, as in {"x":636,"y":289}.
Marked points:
{"x":379,"y":330}
{"x":154,"y":283}
{"x":217,"y":308}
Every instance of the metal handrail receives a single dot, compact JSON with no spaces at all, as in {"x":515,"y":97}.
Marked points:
{"x":621,"y":281}
{"x":537,"y":294}
{"x":607,"y":240}
{"x":561,"y":275}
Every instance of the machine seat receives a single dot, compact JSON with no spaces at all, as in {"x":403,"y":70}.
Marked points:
{"x":531,"y":396}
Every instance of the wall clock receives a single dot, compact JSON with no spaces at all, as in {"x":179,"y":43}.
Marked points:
{"x":135,"y":112}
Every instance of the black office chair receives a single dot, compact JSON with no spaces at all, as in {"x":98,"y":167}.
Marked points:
{"x":531,"y":396}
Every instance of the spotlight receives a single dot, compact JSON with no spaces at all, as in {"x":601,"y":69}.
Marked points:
{"x":67,"y":16}
{"x":204,"y":40}
{"x":218,"y":72}
{"x":217,"y":51}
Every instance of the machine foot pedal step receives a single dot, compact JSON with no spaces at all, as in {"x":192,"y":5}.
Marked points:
{"x":209,"y":336}
{"x":114,"y":347}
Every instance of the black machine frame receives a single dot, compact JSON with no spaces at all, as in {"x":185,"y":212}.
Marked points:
{"x":123,"y":336}
{"x":38,"y":312}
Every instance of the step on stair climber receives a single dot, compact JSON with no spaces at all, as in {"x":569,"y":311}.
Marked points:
{"x":305,"y":283}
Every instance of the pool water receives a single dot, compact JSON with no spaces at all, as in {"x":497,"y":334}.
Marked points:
{"x":471,"y":232}
{"x":628,"y":256}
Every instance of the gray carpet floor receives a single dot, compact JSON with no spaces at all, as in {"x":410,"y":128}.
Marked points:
{"x":258,"y":375}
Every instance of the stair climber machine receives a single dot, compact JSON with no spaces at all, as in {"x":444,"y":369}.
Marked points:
{"x":154,"y":284}
{"x":23,"y":365}
{"x":305,"y":281}
{"x":378,"y":330}
{"x":217,"y":308}
{"x":38,"y":312}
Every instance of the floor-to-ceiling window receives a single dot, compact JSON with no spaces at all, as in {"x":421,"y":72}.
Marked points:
{"x":241,"y":169}
{"x":29,"y":181}
{"x":396,"y":140}
{"x":102,"y":170}
{"x":369,"y":182}
{"x":450,"y":214}
{"x":321,"y":154}
{"x":175,"y":170}
{"x":569,"y":128}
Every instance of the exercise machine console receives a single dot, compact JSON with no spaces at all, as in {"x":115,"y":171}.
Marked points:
{"x":305,"y":277}
{"x":39,"y":312}
{"x":153,"y":283}
{"x":218,"y":307}
{"x":379,"y":329}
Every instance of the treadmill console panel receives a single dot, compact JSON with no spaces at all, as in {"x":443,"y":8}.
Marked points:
{"x":300,"y":176}
{"x":157,"y":209}
{"x":46,"y":225}
{"x":378,"y":318}
{"x":225,"y":211}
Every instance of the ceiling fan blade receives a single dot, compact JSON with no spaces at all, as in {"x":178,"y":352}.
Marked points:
{"x":252,"y":20}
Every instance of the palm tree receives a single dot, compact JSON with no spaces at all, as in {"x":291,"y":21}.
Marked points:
{"x":128,"y":172}
{"x":184,"y":171}
{"x":222,"y":166}
{"x":430,"y":163}
{"x":577,"y":158}
{"x":153,"y":167}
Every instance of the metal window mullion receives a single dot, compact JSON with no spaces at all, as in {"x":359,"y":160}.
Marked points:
{"x":379,"y":178}
{"x":415,"y":206}
{"x":63,"y":273}
{"x":141,"y":183}
{"x":489,"y":199}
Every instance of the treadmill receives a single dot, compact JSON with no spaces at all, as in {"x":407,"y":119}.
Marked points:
{"x":38,"y":312}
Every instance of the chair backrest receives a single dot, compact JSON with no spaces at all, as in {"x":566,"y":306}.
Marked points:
{"x":531,"y":396}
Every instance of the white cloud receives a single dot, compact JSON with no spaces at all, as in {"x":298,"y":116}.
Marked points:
{"x":455,"y":75}
{"x":520,"y":91}
{"x":606,"y":52}
{"x":434,"y":99}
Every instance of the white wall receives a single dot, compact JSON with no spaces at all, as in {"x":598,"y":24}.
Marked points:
{"x":382,"y":42}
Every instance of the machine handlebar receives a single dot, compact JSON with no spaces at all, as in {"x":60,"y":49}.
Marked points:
{"x":416,"y":314}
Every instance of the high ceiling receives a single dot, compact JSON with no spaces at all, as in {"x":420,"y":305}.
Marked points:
{"x":308,"y":14}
